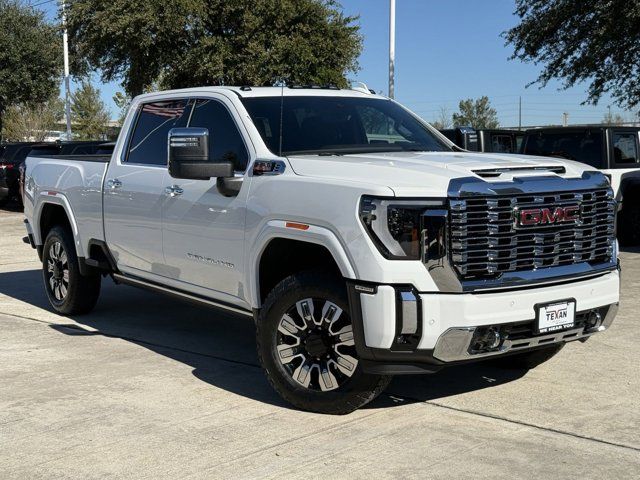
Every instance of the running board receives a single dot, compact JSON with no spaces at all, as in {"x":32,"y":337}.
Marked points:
{"x":190,"y":297}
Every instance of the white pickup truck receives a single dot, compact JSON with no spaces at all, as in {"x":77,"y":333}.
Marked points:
{"x":362,"y":242}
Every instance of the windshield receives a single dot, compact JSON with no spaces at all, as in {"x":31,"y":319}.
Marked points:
{"x":338,"y":125}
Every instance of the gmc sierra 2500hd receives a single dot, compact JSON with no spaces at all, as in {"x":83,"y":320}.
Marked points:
{"x":361,"y":240}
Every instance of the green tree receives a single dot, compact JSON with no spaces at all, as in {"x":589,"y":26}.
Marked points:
{"x":89,"y":115}
{"x":187,"y":43}
{"x":32,"y":122}
{"x":30,"y":56}
{"x":123,"y":102}
{"x":476,"y":113}
{"x":577,"y":41}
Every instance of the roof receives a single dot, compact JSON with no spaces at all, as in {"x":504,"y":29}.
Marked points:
{"x":247,"y":92}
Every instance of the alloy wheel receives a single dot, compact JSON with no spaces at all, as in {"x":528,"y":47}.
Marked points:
{"x":58,"y":271}
{"x":315,"y":344}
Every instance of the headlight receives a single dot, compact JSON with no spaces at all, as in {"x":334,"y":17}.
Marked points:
{"x":402,"y":228}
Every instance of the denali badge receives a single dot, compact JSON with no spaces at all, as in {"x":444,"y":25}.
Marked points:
{"x":526,"y":217}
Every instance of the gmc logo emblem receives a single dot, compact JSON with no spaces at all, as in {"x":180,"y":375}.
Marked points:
{"x":546,"y":216}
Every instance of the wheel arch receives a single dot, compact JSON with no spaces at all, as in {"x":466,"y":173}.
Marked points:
{"x":281,"y":251}
{"x":55,"y":211}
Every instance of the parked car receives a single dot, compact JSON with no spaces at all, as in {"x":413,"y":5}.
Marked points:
{"x":56,"y":136}
{"x":463,"y":137}
{"x":12,"y":155}
{"x":611,"y":149}
{"x":497,"y":140}
{"x":361,"y":242}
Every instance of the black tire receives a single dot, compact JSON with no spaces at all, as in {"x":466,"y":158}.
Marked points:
{"x":528,"y":360}
{"x":629,"y":224}
{"x":325,"y":291}
{"x":77,"y":294}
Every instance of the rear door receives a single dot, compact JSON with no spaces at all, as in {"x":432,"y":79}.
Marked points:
{"x":134,"y":188}
{"x":203,"y":230}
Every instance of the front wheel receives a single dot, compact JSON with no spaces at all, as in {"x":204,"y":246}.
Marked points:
{"x":68,"y":290}
{"x":305,"y":344}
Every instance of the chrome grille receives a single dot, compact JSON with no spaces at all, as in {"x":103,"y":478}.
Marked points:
{"x":485,"y":242}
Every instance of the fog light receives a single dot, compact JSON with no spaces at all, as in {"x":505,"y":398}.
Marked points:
{"x":486,"y":339}
{"x":594,"y":319}
{"x":493,"y":338}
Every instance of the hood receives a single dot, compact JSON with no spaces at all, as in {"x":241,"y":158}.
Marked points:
{"x":429,"y":173}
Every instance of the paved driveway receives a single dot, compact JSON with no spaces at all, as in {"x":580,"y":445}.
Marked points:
{"x":148,"y":387}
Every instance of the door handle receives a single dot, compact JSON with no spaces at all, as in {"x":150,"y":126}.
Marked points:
{"x":174,"y":191}
{"x":113,"y":184}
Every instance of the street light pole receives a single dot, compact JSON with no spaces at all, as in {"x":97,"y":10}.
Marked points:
{"x":392,"y":46}
{"x":520,"y":112}
{"x":67,"y":92}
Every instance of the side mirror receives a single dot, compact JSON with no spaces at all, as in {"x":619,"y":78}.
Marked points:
{"x":189,"y":156}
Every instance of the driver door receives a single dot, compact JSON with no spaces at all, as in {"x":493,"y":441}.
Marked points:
{"x":203,"y":230}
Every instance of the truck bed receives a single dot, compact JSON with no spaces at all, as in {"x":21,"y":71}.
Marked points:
{"x":74,"y":182}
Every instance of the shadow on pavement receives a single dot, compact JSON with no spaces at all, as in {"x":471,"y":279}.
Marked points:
{"x":220,"y":347}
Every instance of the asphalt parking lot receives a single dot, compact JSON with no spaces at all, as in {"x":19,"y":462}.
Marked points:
{"x":148,"y":387}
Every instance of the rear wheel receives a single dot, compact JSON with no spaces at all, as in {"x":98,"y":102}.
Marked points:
{"x":306,"y":346}
{"x":528,"y":360}
{"x":69,"y":291}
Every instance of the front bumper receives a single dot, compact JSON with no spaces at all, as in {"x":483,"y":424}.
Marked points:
{"x":454,"y":345}
{"x":396,"y":335}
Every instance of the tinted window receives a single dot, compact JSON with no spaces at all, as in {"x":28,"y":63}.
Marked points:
{"x":625,"y":147}
{"x":21,"y":154}
{"x":585,"y":147}
{"x":45,"y":150}
{"x":87,"y":149}
{"x":225,"y":141}
{"x":105,"y":149}
{"x":502,"y":144}
{"x":16,"y":153}
{"x":148,"y":145}
{"x":338,"y":124}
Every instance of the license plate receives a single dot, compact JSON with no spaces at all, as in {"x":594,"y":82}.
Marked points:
{"x":556,"y":316}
